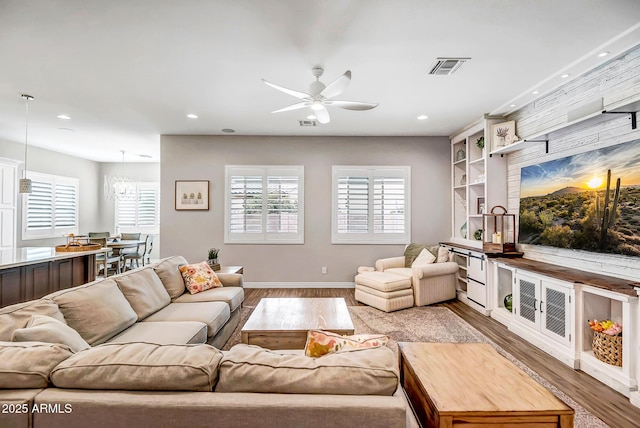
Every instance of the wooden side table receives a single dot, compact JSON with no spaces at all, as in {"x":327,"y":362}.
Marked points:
{"x":230,"y":269}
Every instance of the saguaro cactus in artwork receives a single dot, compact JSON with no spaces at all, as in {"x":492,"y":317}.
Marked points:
{"x":609,"y":213}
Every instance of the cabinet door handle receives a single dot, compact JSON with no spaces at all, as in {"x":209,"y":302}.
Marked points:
{"x":541,"y":302}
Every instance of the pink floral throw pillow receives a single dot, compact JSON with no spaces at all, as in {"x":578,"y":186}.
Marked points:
{"x":320,"y":342}
{"x":199,"y":277}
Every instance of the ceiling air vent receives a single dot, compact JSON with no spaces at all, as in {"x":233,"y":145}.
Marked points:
{"x":446,"y":66}
{"x":307,"y":122}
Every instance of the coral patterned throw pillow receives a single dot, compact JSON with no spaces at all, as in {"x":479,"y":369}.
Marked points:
{"x":320,"y":342}
{"x":199,"y":277}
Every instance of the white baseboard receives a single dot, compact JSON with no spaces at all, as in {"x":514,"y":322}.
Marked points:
{"x":299,"y":284}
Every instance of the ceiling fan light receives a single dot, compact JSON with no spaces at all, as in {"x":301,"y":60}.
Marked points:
{"x":316,"y":105}
{"x":312,"y":117}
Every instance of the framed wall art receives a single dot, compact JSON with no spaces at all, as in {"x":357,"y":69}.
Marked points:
{"x":503,"y":134}
{"x":192,"y":195}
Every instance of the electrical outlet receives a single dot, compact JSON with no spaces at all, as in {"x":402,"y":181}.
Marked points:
{"x":324,"y":269}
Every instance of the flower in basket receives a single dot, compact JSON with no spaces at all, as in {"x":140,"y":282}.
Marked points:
{"x":607,"y":327}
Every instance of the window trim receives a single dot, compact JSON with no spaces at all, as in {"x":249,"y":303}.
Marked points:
{"x":263,"y":237}
{"x":370,"y":237}
{"x":52,"y":232}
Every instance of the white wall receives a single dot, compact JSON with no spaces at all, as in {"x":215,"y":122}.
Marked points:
{"x":616,"y":81}
{"x":192,"y":233}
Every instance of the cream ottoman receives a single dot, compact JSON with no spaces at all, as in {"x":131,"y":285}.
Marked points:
{"x":384,"y":290}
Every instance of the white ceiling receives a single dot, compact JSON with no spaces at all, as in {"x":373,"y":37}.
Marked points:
{"x":127,"y":71}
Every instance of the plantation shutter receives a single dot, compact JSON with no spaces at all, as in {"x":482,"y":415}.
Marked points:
{"x":51,"y":209}
{"x":264,"y":204}
{"x":388,"y":205}
{"x":353,"y":204}
{"x":370,"y":205}
{"x":141,"y":212}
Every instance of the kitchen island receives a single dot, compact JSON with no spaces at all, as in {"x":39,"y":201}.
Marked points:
{"x":32,"y":272}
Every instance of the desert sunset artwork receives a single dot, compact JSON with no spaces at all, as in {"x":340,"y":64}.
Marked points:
{"x":589,"y":201}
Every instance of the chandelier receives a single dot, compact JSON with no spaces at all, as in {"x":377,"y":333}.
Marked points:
{"x":120,"y":187}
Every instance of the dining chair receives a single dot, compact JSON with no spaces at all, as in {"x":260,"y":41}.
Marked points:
{"x":144,"y":255}
{"x":106,"y":259}
{"x":133,"y":236}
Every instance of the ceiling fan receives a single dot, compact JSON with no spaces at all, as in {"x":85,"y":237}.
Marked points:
{"x":319,"y":96}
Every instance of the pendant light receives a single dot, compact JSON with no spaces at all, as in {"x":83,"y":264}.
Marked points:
{"x":25,"y":183}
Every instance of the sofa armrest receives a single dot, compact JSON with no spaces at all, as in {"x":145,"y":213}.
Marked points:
{"x":231,"y":279}
{"x":434,"y":269}
{"x":390,"y":262}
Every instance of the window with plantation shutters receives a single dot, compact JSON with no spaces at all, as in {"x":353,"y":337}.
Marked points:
{"x":264,"y":204}
{"x":141,"y":212}
{"x":371,"y":205}
{"x":51,"y":209}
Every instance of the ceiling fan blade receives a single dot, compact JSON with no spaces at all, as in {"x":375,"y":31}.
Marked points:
{"x":295,"y":106}
{"x":297,"y":94}
{"x":322,"y":115}
{"x":352,"y":105}
{"x":337,"y":86}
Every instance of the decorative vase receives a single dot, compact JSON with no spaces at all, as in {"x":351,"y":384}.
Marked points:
{"x":463,"y":230}
{"x":460,"y":155}
{"x":508,"y":302}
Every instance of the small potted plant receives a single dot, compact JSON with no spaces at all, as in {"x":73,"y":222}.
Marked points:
{"x":480,"y":144}
{"x":213,"y":255}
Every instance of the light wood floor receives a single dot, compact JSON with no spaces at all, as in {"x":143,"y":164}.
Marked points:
{"x":613,"y":408}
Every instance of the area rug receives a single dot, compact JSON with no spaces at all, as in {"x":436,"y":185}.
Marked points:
{"x":432,"y":324}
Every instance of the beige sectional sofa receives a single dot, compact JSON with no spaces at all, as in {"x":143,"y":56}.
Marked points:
{"x":147,"y":355}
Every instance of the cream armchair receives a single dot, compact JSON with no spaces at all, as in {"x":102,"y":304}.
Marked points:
{"x":432,"y":283}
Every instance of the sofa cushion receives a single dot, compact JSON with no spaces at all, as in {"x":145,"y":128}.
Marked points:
{"x":403,"y":272}
{"x":164,"y":333}
{"x":213,"y":314}
{"x":140,"y":367}
{"x":28,"y":364}
{"x":144,"y":291}
{"x":18,"y":315}
{"x":248,"y":368}
{"x":385,"y":281}
{"x":199,"y":277}
{"x":425,"y":257}
{"x":233,"y":296}
{"x":42,"y":328}
{"x":168,"y":272}
{"x":98,"y":310}
{"x":321,"y":342}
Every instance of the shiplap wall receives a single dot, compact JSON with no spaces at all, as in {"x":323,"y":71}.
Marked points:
{"x":614,"y":82}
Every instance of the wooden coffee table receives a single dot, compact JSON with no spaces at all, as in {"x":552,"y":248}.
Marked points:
{"x":470,"y":384}
{"x":283,"y":323}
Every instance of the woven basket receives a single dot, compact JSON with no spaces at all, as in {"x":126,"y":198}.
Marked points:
{"x":76,"y":248}
{"x":608,"y":348}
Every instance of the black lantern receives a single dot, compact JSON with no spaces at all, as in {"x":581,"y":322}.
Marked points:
{"x":498,"y":231}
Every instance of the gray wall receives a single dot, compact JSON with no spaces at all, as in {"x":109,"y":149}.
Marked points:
{"x":192,"y":233}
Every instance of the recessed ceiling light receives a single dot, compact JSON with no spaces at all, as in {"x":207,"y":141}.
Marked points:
{"x":65,"y":129}
{"x":535,"y":92}
{"x":564,"y":76}
{"x":229,"y":130}
{"x":602,"y":54}
{"x":63,"y":116}
{"x":192,"y":116}
{"x":512,"y":105}
{"x":146,"y":156}
{"x":423,"y":117}
{"x":312,"y":117}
